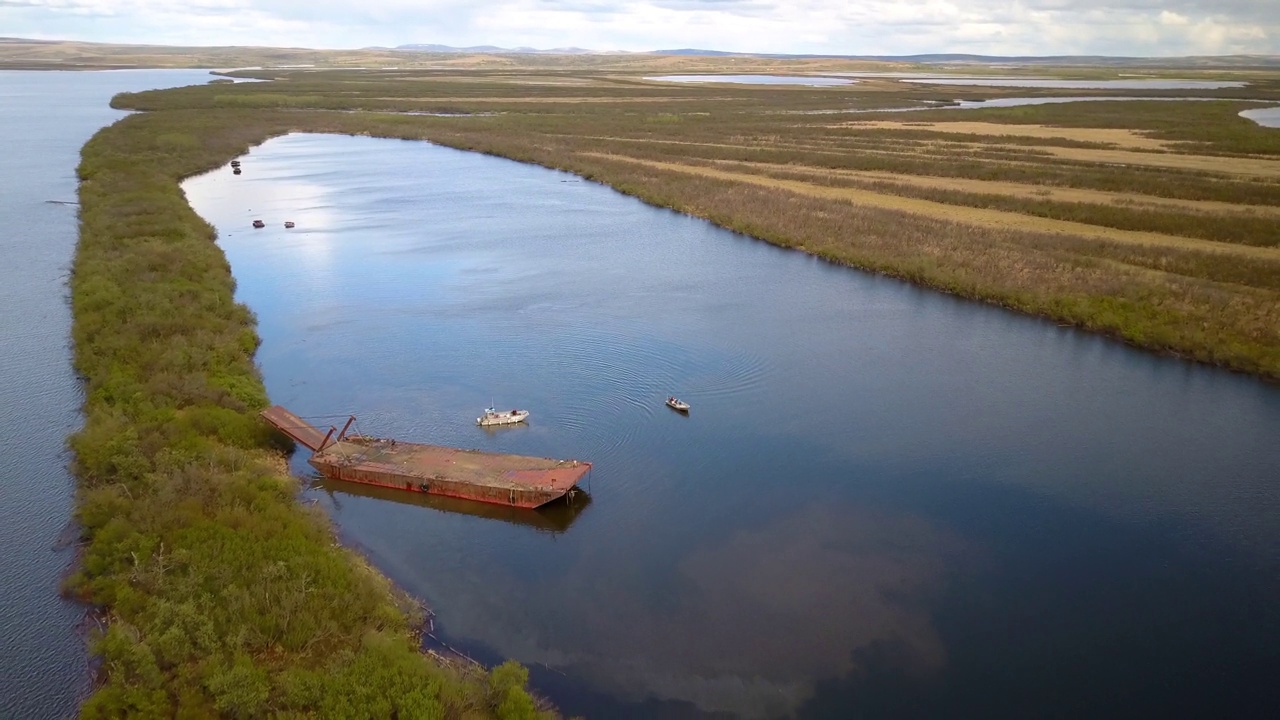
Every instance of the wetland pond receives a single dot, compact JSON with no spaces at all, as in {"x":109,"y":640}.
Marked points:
{"x":1266,"y":117}
{"x":886,"y":501}
{"x":1140,"y":84}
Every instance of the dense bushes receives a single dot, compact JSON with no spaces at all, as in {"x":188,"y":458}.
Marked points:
{"x":223,"y":595}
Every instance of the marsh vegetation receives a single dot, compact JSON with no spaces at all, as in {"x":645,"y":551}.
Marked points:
{"x":227,"y":597}
{"x":222,"y":596}
{"x":1151,"y":221}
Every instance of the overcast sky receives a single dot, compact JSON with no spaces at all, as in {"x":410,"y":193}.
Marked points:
{"x":852,"y":27}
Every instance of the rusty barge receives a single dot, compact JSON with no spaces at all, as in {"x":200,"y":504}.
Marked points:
{"x":512,"y":480}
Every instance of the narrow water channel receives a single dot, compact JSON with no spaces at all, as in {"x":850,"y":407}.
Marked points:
{"x":45,"y":117}
{"x":885,"y":502}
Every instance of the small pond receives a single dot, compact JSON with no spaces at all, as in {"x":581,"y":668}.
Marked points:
{"x":1152,"y":84}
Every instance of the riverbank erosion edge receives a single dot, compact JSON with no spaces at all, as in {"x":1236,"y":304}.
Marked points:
{"x":224,"y":595}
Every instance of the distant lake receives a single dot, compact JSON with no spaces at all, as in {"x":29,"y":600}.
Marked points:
{"x":1082,"y":84}
{"x":756,"y":79}
{"x":1266,"y":117}
{"x":920,"y":75}
{"x":45,"y":117}
{"x":886,"y":502}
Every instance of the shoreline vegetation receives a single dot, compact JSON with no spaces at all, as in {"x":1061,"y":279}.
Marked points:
{"x":1144,"y":221}
{"x":1151,"y":222}
{"x":224,"y":596}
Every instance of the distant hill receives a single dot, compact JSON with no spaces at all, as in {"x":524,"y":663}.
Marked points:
{"x":431,"y":47}
{"x":1091,"y":60}
{"x":700,"y":53}
{"x":1268,"y":61}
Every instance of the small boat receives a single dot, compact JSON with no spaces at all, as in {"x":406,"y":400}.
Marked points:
{"x":235,"y":163}
{"x":288,"y":223}
{"x":259,"y":224}
{"x":677,"y":404}
{"x":506,"y":417}
{"x":236,"y":170}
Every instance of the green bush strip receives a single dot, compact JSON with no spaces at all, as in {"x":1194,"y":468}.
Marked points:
{"x":223,"y":595}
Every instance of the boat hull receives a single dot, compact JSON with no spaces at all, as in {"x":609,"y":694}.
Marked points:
{"x":505,"y":418}
{"x":512,"y":480}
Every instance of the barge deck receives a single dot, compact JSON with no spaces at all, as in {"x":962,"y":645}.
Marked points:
{"x":512,"y":480}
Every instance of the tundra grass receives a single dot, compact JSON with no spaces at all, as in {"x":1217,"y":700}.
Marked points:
{"x":1137,"y":270}
{"x":223,"y":596}
{"x":227,"y":597}
{"x":1257,"y":229}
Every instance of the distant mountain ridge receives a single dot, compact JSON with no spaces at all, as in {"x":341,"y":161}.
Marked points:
{"x":432,"y":47}
{"x":925,"y":58}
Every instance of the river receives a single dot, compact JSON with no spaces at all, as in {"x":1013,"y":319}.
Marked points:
{"x":45,"y":118}
{"x":886,"y":501}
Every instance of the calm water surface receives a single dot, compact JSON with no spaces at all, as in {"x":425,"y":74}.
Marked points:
{"x":45,"y":117}
{"x":1266,"y":117}
{"x":756,"y":79}
{"x":1080,"y":84}
{"x":886,"y":502}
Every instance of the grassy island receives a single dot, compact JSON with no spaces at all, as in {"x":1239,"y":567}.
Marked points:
{"x":222,"y":595}
{"x":1152,"y":221}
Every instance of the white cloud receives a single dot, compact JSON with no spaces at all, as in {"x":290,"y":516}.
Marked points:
{"x":997,"y":27}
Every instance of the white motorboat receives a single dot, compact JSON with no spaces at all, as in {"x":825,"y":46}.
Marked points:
{"x":505,"y":417}
{"x":677,"y":404}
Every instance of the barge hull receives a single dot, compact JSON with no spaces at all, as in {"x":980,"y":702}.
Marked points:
{"x":511,"y":480}
{"x":522,"y":497}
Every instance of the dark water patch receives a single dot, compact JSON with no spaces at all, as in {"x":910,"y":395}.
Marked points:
{"x":885,"y":500}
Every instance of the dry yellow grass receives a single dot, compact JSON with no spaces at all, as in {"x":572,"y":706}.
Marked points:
{"x":1246,"y":166}
{"x":1120,"y":138}
{"x":983,"y":217}
{"x":1028,"y":191}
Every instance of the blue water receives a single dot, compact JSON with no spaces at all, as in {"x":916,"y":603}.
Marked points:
{"x":44,"y":117}
{"x":886,"y":502}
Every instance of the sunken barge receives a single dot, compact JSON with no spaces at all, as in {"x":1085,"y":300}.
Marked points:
{"x":512,"y":480}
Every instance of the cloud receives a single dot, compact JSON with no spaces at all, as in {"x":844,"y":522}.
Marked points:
{"x":746,"y":624}
{"x":998,"y":27}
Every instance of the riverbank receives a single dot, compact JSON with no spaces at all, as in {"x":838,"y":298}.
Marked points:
{"x":224,"y":594}
{"x":191,"y":136}
{"x":1145,"y":221}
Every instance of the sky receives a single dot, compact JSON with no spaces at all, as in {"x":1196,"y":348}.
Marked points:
{"x":843,"y":27}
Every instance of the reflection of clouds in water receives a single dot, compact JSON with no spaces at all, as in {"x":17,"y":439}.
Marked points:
{"x":754,"y":620}
{"x":231,"y":203}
